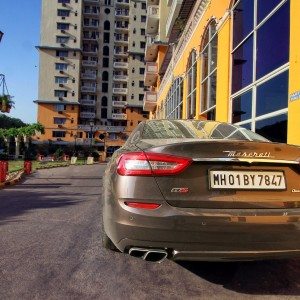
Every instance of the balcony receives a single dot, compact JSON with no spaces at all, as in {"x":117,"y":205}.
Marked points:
{"x":150,"y":101}
{"x":121,"y":39}
{"x":89,"y":76}
{"x":87,"y":102}
{"x":90,"y":51}
{"x":88,"y":89}
{"x":91,"y":12}
{"x":121,"y":65}
{"x":154,"y":2}
{"x":87,"y":115}
{"x":121,"y":27}
{"x":151,"y":48}
{"x":120,"y":53}
{"x":120,"y":104}
{"x":90,"y":38}
{"x":120,"y":91}
{"x":91,"y":25}
{"x":89,"y":63}
{"x":173,"y":14}
{"x":122,"y":78}
{"x":122,"y":3}
{"x":119,"y":117}
{"x":93,"y":1}
{"x":152,"y":19}
{"x":104,"y":128}
{"x":151,"y":74}
{"x":122,"y":13}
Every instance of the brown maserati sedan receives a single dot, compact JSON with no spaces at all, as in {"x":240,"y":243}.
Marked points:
{"x":202,"y":190}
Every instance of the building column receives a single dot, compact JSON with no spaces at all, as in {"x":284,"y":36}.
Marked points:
{"x":223,"y":69}
{"x":184,"y":102}
{"x":17,"y":142}
{"x":198,"y":89}
{"x":294,"y":83}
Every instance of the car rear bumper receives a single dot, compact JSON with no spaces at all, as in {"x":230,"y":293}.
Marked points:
{"x":207,"y":234}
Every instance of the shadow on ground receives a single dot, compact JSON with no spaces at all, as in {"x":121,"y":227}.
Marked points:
{"x":254,"y":278}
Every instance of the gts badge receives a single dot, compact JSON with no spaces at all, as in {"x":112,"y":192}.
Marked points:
{"x":180,"y":190}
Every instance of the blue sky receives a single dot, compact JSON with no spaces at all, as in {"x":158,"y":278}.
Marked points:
{"x":20,"y":22}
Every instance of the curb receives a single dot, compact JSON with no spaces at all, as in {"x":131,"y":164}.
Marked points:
{"x":12,"y":181}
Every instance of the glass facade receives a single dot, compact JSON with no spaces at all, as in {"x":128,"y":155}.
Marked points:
{"x":209,"y":72}
{"x":192,"y":85}
{"x":260,"y":70}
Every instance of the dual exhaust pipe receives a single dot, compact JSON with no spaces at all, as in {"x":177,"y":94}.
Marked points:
{"x":154,"y":255}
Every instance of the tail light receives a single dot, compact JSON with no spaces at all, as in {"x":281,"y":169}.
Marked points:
{"x":142,"y":205}
{"x":150,"y":164}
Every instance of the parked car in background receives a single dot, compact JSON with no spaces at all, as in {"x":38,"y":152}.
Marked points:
{"x":202,"y":190}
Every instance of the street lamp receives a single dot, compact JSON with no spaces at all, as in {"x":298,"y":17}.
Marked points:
{"x":1,"y":35}
{"x":91,"y":133}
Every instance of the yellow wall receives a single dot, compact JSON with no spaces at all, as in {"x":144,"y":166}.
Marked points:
{"x":217,"y":9}
{"x":294,"y":83}
{"x":223,"y":72}
{"x":46,"y":114}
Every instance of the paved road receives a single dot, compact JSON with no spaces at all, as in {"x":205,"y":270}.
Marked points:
{"x":50,"y":248}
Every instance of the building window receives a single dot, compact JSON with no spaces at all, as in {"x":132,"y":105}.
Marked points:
{"x":107,"y":2}
{"x":61,"y":66}
{"x":58,"y":134}
{"x":105,"y":76}
{"x":58,"y":93}
{"x":104,"y":87}
{"x":62,"y":39}
{"x":62,"y":53}
{"x":63,"y":1}
{"x":105,"y":62}
{"x":143,"y":19}
{"x":106,"y":51}
{"x":63,"y":26}
{"x":259,"y":97}
{"x":106,"y":37}
{"x":59,"y":79}
{"x":172,"y":106}
{"x":141,"y":97}
{"x":107,"y":11}
{"x":142,"y":71}
{"x":59,"y":121}
{"x":142,"y":45}
{"x":144,"y":6}
{"x":60,"y":107}
{"x":143,"y":31}
{"x":209,"y":72}
{"x":104,"y":101}
{"x":192,"y":84}
{"x":103,"y":113}
{"x":63,"y":13}
{"x":141,"y":84}
{"x":106,"y":25}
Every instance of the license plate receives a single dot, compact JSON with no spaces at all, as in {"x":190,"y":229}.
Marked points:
{"x":247,"y":180}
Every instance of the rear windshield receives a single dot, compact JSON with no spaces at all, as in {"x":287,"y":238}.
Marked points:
{"x":168,"y":129}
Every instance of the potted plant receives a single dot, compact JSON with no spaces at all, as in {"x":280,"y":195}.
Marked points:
{"x":6,"y":103}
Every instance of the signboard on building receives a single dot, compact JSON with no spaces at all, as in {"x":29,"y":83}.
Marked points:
{"x":295,"y":96}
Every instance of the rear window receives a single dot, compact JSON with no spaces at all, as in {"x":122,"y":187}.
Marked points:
{"x":170,"y":129}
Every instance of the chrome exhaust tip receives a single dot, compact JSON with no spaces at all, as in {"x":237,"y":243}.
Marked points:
{"x":154,"y":255}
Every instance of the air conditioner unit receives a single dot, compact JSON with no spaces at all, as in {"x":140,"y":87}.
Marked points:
{"x":63,"y":45}
{"x":64,"y":4}
{"x":61,"y":85}
{"x":62,"y":58}
{"x":63,"y":18}
{"x":63,"y":31}
{"x":61,"y":98}
{"x":61,"y":72}
{"x":60,"y":112}
{"x":59,"y":126}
